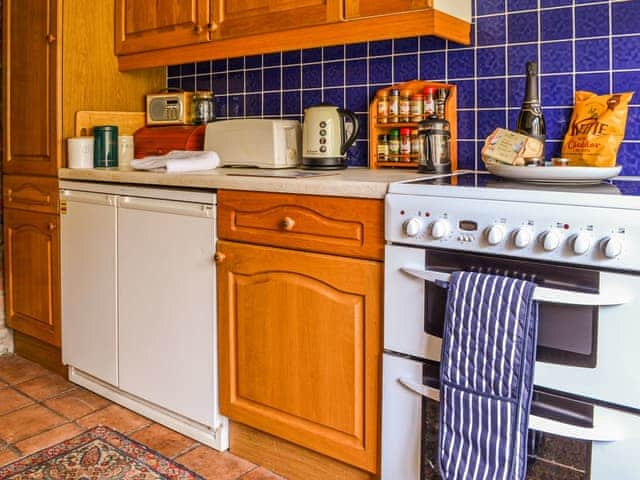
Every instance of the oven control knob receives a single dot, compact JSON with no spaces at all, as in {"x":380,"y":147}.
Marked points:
{"x":551,"y":240}
{"x":522,"y":238}
{"x":413,"y":227}
{"x":581,"y":243}
{"x":440,"y":229}
{"x":612,"y":247}
{"x":495,"y":234}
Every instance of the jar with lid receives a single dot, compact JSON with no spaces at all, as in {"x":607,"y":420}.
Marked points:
{"x":404,"y":113}
{"x":383,"y":148}
{"x":416,"y":143}
{"x":429,"y":106}
{"x":405,"y":144}
{"x":203,"y":108}
{"x":417,"y":107}
{"x":394,"y":145}
{"x":383,"y":106}
{"x":394,"y":105}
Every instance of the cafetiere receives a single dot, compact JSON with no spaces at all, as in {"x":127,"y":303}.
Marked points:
{"x":435,"y":140}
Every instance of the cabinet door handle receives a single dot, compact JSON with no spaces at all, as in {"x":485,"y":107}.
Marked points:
{"x":219,"y":257}
{"x":287,"y":223}
{"x":51,"y":38}
{"x":212,"y":27}
{"x":52,"y":226}
{"x":198,"y":29}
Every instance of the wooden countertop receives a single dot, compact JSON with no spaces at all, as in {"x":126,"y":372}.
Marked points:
{"x":351,"y":182}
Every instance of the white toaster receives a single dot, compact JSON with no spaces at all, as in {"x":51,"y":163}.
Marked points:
{"x":253,"y":142}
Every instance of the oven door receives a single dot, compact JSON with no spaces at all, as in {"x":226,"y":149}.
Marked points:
{"x":586,"y":441}
{"x":587,"y":343}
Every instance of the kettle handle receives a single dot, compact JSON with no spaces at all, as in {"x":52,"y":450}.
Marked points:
{"x":356,"y":128}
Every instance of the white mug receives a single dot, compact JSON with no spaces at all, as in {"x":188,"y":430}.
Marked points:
{"x":125,"y":150}
{"x":80,"y":152}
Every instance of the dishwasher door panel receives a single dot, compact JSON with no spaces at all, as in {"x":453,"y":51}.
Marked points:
{"x":89,"y":283}
{"x":167,"y":318}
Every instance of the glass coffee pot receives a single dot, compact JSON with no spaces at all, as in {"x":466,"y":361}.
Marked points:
{"x":435,"y":139}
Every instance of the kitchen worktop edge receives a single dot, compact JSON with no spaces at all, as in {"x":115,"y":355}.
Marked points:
{"x":351,"y":182}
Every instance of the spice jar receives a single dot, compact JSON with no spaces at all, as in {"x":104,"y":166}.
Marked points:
{"x":416,"y":143}
{"x":383,"y":106}
{"x":417,"y":107}
{"x":429,"y":106}
{"x":394,"y":105}
{"x":404,"y":113}
{"x":202,"y":107}
{"x":383,"y":148}
{"x":394,"y":145}
{"x":405,"y":143}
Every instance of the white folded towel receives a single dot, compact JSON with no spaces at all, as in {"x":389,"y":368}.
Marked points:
{"x":178,"y":161}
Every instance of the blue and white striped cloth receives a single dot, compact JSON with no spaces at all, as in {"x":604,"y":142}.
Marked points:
{"x":486,"y":374}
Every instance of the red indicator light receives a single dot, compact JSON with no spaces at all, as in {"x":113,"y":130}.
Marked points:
{"x":567,"y":226}
{"x":427,"y":214}
{"x":401,"y":212}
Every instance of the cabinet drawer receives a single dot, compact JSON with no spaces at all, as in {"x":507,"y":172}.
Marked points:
{"x":340,"y":226}
{"x":36,"y":194}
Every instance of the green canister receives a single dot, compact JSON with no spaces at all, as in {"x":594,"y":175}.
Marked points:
{"x":105,"y":146}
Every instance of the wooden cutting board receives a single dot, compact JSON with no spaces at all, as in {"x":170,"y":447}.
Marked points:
{"x":127,"y":122}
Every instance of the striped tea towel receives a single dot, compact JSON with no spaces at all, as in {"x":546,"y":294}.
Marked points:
{"x":486,"y":372}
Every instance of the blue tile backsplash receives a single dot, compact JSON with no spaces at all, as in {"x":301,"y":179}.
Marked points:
{"x":579,"y":44}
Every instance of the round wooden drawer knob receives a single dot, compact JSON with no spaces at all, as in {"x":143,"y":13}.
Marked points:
{"x":219,"y":257}
{"x":287,"y":224}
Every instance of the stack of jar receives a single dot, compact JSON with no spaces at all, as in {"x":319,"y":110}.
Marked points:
{"x":400,"y":145}
{"x":403,"y":106}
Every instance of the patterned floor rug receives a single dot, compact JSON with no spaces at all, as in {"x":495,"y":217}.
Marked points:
{"x":97,"y":454}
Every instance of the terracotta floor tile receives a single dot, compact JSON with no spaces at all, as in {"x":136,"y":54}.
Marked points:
{"x":27,"y":422}
{"x":261,"y":473}
{"x":45,"y":387}
{"x":11,"y":400}
{"x":163,"y":440}
{"x":116,"y":417}
{"x":77,"y":403}
{"x":14,"y":369}
{"x":214,"y":465}
{"x":7,"y":457}
{"x":48,"y":438}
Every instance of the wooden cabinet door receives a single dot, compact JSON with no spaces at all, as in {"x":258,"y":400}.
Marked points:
{"x":300,"y":347}
{"x":143,"y":25}
{"x":32,"y":273}
{"x":32,"y":82}
{"x":370,"y":8}
{"x":251,"y":17}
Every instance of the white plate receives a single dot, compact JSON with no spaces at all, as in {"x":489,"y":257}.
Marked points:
{"x":566,"y":175}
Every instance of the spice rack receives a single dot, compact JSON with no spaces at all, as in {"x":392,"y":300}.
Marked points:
{"x":375,"y":128}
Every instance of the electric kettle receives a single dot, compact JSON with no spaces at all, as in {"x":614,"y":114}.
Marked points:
{"x":324,"y":142}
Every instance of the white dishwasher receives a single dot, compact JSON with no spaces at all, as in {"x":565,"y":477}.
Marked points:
{"x":138,"y":301}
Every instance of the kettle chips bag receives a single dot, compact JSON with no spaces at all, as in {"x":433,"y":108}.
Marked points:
{"x":596,"y":129}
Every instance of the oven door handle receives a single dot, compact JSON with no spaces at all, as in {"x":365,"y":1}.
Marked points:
{"x":542,"y":294}
{"x":599,"y":433}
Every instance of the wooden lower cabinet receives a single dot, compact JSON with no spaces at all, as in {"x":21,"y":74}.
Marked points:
{"x":300,"y":347}
{"x":32,"y":273}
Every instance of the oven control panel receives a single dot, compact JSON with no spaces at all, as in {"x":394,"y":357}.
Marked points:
{"x":605,"y":237}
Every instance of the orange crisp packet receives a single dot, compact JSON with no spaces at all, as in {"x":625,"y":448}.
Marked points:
{"x":596,"y":129}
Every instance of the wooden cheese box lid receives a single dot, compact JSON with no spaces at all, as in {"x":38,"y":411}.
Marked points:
{"x":161,"y":140}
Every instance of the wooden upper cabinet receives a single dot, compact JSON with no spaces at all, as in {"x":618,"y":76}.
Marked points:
{"x":32,"y":273}
{"x":370,"y":8}
{"x":236,"y":18}
{"x":143,"y":25}
{"x":32,"y":79}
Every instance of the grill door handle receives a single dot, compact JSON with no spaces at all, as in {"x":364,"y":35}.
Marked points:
{"x":599,"y":433}
{"x":542,"y":294}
